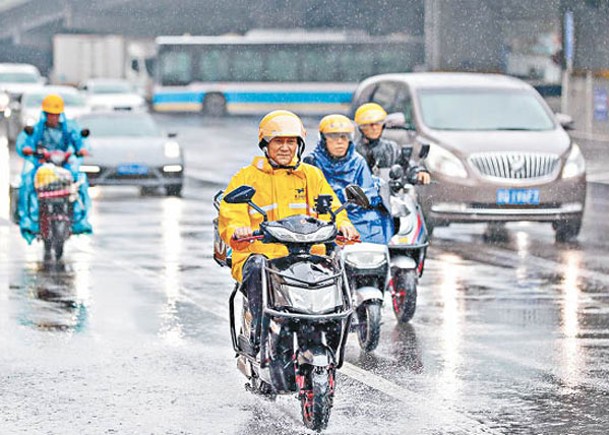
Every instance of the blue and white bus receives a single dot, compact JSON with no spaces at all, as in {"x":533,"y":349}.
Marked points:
{"x":309,"y":73}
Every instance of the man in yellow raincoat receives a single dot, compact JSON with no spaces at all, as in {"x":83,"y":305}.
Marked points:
{"x":284,"y":187}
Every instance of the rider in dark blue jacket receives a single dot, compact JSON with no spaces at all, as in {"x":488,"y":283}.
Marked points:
{"x":53,"y":132}
{"x":335,"y":155}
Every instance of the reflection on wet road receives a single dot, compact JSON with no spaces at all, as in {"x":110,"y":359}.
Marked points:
{"x":130,"y":335}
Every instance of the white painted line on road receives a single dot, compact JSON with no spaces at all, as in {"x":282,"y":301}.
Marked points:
{"x":408,"y":397}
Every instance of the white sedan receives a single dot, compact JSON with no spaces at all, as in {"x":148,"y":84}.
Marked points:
{"x":112,"y":94}
{"x":129,"y":149}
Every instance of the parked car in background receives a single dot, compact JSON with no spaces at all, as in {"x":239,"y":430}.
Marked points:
{"x":15,"y":79}
{"x":31,"y":106}
{"x":129,"y":149}
{"x":112,"y":94}
{"x":498,"y":153}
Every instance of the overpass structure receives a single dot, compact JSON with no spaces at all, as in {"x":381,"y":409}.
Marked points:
{"x":475,"y":35}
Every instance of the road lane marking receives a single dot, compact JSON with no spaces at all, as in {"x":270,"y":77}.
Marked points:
{"x":415,"y":400}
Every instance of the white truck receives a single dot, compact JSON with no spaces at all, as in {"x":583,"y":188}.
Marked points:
{"x":80,"y":57}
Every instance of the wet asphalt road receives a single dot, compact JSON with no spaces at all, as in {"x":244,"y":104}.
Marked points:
{"x":131,"y":334}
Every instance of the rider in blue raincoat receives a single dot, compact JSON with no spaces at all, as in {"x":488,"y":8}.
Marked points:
{"x":53,"y":132}
{"x":335,"y":155}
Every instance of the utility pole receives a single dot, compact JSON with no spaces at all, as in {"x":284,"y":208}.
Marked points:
{"x":432,"y":28}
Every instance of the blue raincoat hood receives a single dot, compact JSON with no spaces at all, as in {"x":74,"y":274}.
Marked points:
{"x":374,"y":225}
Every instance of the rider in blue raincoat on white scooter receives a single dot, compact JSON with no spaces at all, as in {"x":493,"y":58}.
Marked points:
{"x":336,"y":156}
{"x":54,"y":132}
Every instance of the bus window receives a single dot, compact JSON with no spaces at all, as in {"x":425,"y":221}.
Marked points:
{"x":246,"y":65}
{"x":317,"y":64}
{"x":281,"y":66}
{"x":213,"y":65}
{"x":176,"y":68}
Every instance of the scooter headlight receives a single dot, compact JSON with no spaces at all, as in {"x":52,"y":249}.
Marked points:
{"x":285,"y":235}
{"x":310,"y":301}
{"x":365,"y":260}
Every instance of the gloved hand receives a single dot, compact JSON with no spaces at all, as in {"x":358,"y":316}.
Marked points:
{"x":82,"y":153}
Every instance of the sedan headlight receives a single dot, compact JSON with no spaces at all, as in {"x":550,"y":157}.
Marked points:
{"x":172,"y":150}
{"x":444,"y":162}
{"x":285,"y":235}
{"x":575,"y":164}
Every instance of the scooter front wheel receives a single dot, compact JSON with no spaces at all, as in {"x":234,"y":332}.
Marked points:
{"x":404,"y":294}
{"x":369,"y":325}
{"x":317,"y":397}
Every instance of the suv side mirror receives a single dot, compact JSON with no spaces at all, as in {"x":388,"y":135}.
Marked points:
{"x":565,"y":121}
{"x":396,"y":120}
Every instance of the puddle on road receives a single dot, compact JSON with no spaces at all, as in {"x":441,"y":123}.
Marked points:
{"x":52,"y":297}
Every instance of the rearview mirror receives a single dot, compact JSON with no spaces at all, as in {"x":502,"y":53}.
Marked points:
{"x":565,"y":121}
{"x":85,"y":132}
{"x":241,"y":195}
{"x":424,"y":151}
{"x":404,"y":156}
{"x":356,"y":195}
{"x":172,"y":134}
{"x":396,"y":120}
{"x":29,"y":130}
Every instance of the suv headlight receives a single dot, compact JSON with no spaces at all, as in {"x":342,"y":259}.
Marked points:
{"x":172,"y":150}
{"x":444,"y":162}
{"x":575,"y":164}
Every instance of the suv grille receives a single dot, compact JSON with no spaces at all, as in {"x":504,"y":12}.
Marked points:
{"x":515,"y":165}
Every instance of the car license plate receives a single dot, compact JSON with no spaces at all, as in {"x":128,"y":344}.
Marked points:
{"x":517,"y":196}
{"x":132,"y":169}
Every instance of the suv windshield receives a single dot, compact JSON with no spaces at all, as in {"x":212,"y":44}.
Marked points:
{"x":17,"y":77}
{"x":473,"y":109}
{"x":125,"y":125}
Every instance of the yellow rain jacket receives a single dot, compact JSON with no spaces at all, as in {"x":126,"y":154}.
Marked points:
{"x":280,"y":193}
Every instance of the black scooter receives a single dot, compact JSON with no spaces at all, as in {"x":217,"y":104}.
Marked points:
{"x":307,"y":310}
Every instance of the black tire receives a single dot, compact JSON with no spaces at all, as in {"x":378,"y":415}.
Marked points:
{"x":214,"y":105}
{"x":58,"y":248}
{"x":147,"y":190}
{"x":404,"y":295}
{"x":567,"y":230}
{"x":316,"y":400}
{"x":48,"y":251}
{"x":174,"y":190}
{"x":369,"y":325}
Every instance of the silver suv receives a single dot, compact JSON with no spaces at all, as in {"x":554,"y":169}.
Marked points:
{"x":498,"y":153}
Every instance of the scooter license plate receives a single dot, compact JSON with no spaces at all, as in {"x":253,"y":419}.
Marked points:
{"x":517,"y":196}
{"x":132,"y":169}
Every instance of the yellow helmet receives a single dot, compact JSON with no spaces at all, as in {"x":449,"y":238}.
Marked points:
{"x":369,"y":113}
{"x":280,"y":123}
{"x":336,"y":124}
{"x":52,"y":104}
